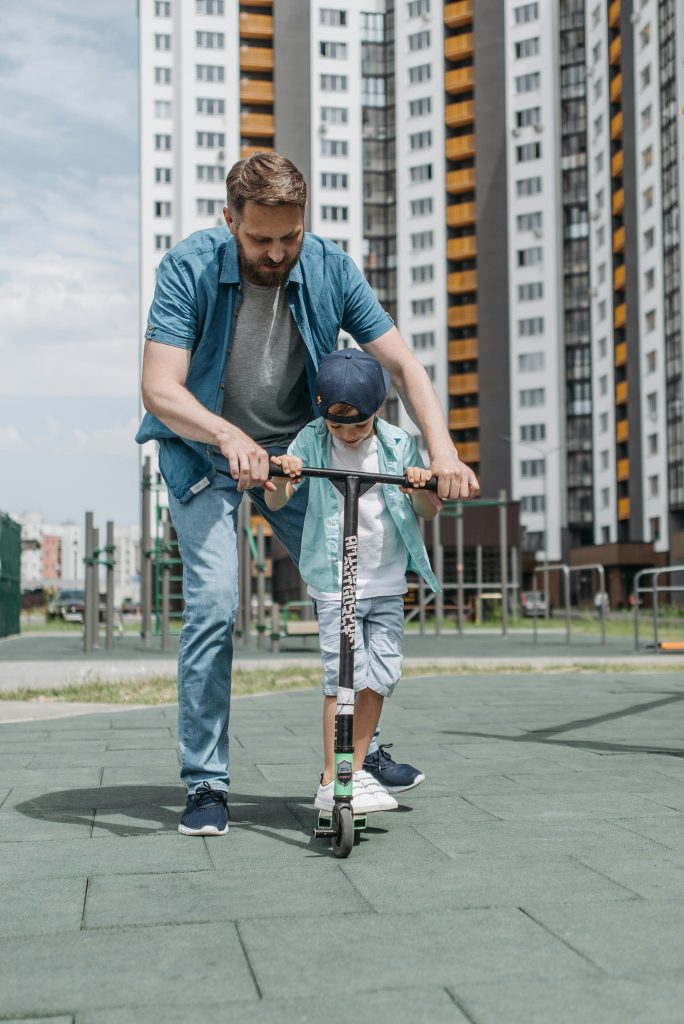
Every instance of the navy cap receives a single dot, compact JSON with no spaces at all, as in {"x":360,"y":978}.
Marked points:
{"x":351,"y":376}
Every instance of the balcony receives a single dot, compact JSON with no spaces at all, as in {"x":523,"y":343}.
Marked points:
{"x":615,"y":51}
{"x":458,"y":14}
{"x":254,"y":91}
{"x":462,"y":316}
{"x":622,"y":431}
{"x":460,"y":181}
{"x":463,"y":349}
{"x":459,"y":80}
{"x":256,"y":58}
{"x":616,"y":126}
{"x":460,"y":147}
{"x":464,"y":383}
{"x":460,"y":214}
{"x":617,"y":164}
{"x":462,"y":281}
{"x":620,"y":278}
{"x":614,"y":14}
{"x":247,"y":151}
{"x":464,"y":248}
{"x":623,"y":508}
{"x":261,"y":3}
{"x":621,"y":392}
{"x":623,"y":469}
{"x":458,"y":114}
{"x":620,"y":315}
{"x":459,"y":47}
{"x":616,"y":88}
{"x":619,"y":240}
{"x":621,"y":353}
{"x":464,"y":419}
{"x":469,"y":451}
{"x":256,"y":26}
{"x":256,"y":126}
{"x":618,"y":202}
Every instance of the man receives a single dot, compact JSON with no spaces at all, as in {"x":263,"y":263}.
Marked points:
{"x":237,"y":327}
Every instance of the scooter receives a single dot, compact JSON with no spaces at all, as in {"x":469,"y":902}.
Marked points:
{"x":342,"y":826}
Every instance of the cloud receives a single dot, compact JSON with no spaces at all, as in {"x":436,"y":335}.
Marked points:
{"x":11,"y":440}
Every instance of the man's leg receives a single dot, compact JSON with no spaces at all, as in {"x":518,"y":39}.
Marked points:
{"x":206,"y":529}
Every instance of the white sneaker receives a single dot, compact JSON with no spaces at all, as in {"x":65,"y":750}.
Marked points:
{"x":367,"y":795}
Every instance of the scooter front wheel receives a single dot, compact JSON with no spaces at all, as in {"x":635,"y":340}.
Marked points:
{"x":343,"y":840}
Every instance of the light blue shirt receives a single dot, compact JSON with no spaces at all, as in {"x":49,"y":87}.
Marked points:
{"x":320,"y":554}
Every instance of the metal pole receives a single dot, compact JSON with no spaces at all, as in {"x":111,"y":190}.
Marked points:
{"x":275,"y":627}
{"x":602,"y":584}
{"x":654,"y":598}
{"x":145,"y":545}
{"x":261,"y":587}
{"x":95,"y":593}
{"x":439,"y":573}
{"x":165,"y":583}
{"x":109,"y":546}
{"x":87,"y":636}
{"x":459,"y":565}
{"x":503,"y":547}
{"x":514,"y":584}
{"x":421,"y":589}
{"x":636,"y":611}
{"x":478,"y":582}
{"x":246,"y":588}
{"x":566,"y":578}
{"x":534,"y":606}
{"x":547,"y":603}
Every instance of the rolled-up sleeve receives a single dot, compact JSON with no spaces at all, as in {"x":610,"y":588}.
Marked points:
{"x":363,"y":317}
{"x":172,"y":318}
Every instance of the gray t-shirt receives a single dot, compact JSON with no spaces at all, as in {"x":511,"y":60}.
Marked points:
{"x":265,"y":389}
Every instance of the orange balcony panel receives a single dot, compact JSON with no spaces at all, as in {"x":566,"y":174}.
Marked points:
{"x":459,"y":47}
{"x":620,"y":315}
{"x":458,"y":14}
{"x":621,"y":392}
{"x":623,"y":469}
{"x":463,"y":349}
{"x":464,"y":419}
{"x":623,"y":508}
{"x":616,"y":88}
{"x":614,"y":13}
{"x":621,"y":353}
{"x":460,"y":147}
{"x":460,"y":214}
{"x":247,"y":151}
{"x":621,"y":431}
{"x":257,"y":125}
{"x":261,"y":3}
{"x":458,"y":114}
{"x":464,"y":383}
{"x":462,"y":316}
{"x":619,"y":277}
{"x":256,"y":58}
{"x":460,"y":181}
{"x":619,"y":240}
{"x":616,"y":126}
{"x":462,"y":281}
{"x":469,"y":452}
{"x":459,"y":80}
{"x":617,"y":164}
{"x":464,"y":248}
{"x":255,"y":92}
{"x":256,"y":26}
{"x":615,"y":51}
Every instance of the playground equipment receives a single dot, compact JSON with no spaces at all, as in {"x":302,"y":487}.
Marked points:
{"x":93,"y":560}
{"x":567,"y":570}
{"x":669,"y":646}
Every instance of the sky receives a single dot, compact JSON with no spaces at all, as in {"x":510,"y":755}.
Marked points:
{"x":69,"y":318}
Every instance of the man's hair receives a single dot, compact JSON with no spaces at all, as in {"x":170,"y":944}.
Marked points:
{"x":265,"y":178}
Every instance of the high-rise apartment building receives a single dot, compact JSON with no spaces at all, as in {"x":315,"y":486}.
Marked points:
{"x":510,"y":176}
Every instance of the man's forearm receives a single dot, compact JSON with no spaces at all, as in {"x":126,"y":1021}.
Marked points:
{"x":179,"y":410}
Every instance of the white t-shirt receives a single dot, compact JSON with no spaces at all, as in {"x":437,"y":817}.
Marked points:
{"x":382,"y":556}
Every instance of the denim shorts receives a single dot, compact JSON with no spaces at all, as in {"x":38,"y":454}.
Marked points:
{"x":378,"y":648}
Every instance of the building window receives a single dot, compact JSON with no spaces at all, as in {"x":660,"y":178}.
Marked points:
{"x":213,"y":107}
{"x":533,"y":432}
{"x":423,"y":340}
{"x":162,"y":208}
{"x":162,"y":8}
{"x":210,"y":40}
{"x":162,"y":108}
{"x":209,"y":207}
{"x":651,"y":361}
{"x":533,"y":467}
{"x":333,"y":180}
{"x":647,"y":197}
{"x":334,"y":83}
{"x":336,"y":51}
{"x":162,"y":76}
{"x":162,"y":142}
{"x":645,"y":77}
{"x":422,"y":274}
{"x":530,"y":292}
{"x":530,"y":257}
{"x":646,"y":117}
{"x":423,"y":172}
{"x":415,"y":8}
{"x":421,"y":207}
{"x":334,"y":147}
{"x":600,"y":236}
{"x":647,"y":157}
{"x":533,"y":503}
{"x":528,"y":186}
{"x":649,"y":280}
{"x":210,"y":73}
{"x":652,"y":405}
{"x":598,"y":162}
{"x":162,"y":175}
{"x":528,"y":362}
{"x":334,"y":115}
{"x":526,"y":13}
{"x":652,"y":444}
{"x":529,"y":151}
{"x":649,"y":239}
{"x":162,"y":42}
{"x":645,"y":36}
{"x":528,"y":83}
{"x":420,"y":140}
{"x":603,"y":348}
{"x":655,"y":528}
{"x":598,"y":89}
{"x":419,"y":107}
{"x":603,"y":384}
{"x":531,"y":326}
{"x":210,"y":172}
{"x":418,"y":41}
{"x":209,"y":7}
{"x":602,"y":309}
{"x":529,"y":221}
{"x":422,"y":240}
{"x":162,"y":242}
{"x":603,"y":422}
{"x":605,"y":456}
{"x":605,"y":497}
{"x":422,"y":307}
{"x":651,"y":322}
{"x":529,"y":116}
{"x":653,"y":486}
{"x":527,"y":48}
{"x":210,"y":140}
{"x":331,"y":16}
{"x":334,"y":213}
{"x":419,"y":74}
{"x":531,"y":397}
{"x":430,"y":370}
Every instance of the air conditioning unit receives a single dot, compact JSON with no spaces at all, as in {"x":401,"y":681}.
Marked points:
{"x":539,"y":127}
{"x":515,"y":131}
{"x":220,"y":155}
{"x":537,"y":232}
{"x":595,"y":214}
{"x":594,"y":292}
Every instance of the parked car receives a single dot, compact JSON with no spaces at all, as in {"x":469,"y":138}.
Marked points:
{"x":67,"y":605}
{"x":533,"y":602}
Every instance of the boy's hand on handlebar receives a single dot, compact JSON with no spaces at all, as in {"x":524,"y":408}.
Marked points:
{"x":454,"y":479}
{"x":418,"y":477}
{"x":291,"y":466}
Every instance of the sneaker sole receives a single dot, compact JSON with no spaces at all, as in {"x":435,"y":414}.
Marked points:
{"x":402,"y":789}
{"x":208,"y":830}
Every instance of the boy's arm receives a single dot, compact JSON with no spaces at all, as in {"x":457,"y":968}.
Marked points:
{"x":426,"y":504}
{"x":284,"y":487}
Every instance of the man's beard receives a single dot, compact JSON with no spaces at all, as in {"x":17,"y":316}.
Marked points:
{"x":254,"y":272}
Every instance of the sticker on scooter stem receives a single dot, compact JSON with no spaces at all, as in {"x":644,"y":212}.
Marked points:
{"x":344,"y":773}
{"x":348,"y":618}
{"x":345,"y":701}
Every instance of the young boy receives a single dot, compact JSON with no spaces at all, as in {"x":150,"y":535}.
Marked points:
{"x":350,"y":388}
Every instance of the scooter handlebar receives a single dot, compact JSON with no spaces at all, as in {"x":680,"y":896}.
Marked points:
{"x":344,"y":474}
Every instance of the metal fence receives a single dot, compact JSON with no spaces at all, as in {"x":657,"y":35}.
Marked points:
{"x":10,"y":573}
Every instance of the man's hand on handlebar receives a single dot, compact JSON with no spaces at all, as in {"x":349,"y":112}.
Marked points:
{"x":248,"y":461}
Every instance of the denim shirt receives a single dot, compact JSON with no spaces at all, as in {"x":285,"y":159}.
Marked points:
{"x":196,"y":301}
{"x":320,"y":555}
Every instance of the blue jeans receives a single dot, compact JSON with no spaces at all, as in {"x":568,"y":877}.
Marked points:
{"x":377,"y":648}
{"x":207,"y":538}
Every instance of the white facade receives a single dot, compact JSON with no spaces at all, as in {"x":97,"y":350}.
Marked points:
{"x":33,"y":529}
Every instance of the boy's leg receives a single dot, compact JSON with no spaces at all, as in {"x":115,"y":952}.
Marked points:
{"x":367,"y":708}
{"x":329,"y":711}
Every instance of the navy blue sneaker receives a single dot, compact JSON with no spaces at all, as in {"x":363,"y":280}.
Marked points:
{"x":396,"y":778}
{"x":206,"y":813}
